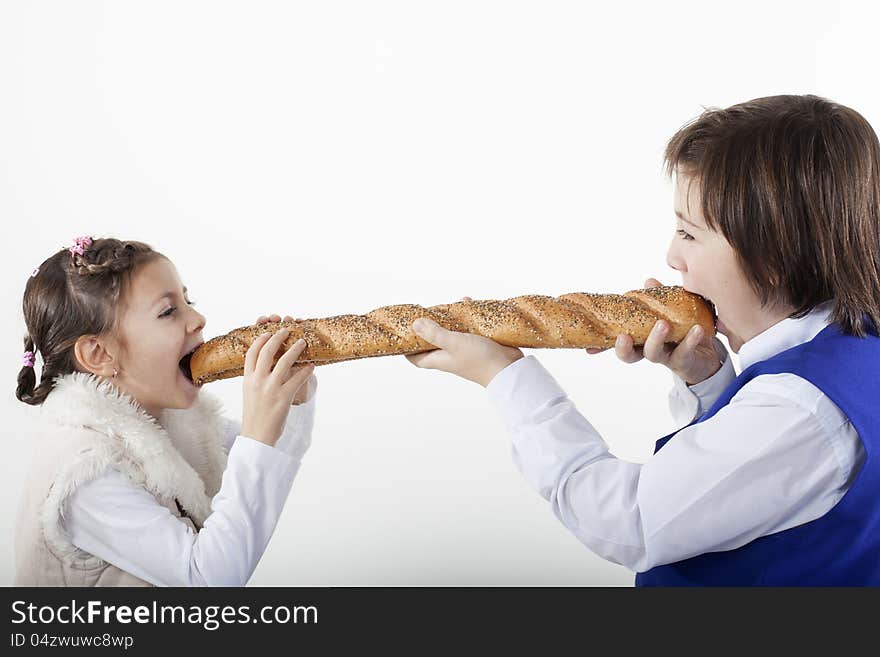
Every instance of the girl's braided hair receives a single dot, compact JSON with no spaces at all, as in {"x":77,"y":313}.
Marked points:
{"x":72,"y":295}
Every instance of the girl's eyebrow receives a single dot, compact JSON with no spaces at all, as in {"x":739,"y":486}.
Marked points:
{"x":689,"y":223}
{"x":169,"y":295}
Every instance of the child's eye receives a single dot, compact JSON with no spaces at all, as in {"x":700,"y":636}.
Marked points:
{"x":684,"y":235}
{"x":171,"y":310}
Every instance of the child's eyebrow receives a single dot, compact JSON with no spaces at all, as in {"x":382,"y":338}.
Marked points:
{"x":169,"y":295}
{"x":689,"y":223}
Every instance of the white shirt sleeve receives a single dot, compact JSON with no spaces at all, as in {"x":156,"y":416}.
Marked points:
{"x":296,"y":436}
{"x":686,"y":403}
{"x":763,"y":463}
{"x":122,"y":523}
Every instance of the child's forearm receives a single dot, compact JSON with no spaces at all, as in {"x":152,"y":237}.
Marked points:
{"x":567,"y":462}
{"x":688,"y":402}
{"x":495,"y":366}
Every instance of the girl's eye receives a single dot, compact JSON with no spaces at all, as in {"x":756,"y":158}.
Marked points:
{"x":171,"y":310}
{"x":684,"y":235}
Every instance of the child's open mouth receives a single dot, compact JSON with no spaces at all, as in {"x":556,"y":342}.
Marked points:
{"x":184,"y":366}
{"x":713,"y":309}
{"x":185,"y":361}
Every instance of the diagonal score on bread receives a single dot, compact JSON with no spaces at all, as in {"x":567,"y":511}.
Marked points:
{"x":578,"y":320}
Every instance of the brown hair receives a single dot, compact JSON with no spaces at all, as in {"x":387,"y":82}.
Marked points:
{"x":72,"y":295}
{"x":792,"y":183}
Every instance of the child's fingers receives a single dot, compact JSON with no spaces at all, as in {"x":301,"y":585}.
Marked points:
{"x":307,"y":390}
{"x":655,"y":349}
{"x":250,"y":358}
{"x":267,"y":353}
{"x":653,"y":282}
{"x":429,"y":360}
{"x":595,"y":350}
{"x":301,"y":374}
{"x":288,"y":359}
{"x":419,"y":359}
{"x":625,"y":350}
{"x":262,"y":319}
{"x":684,"y":352}
{"x":432,"y":333}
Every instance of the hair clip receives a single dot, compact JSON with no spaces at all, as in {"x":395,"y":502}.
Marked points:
{"x":35,"y":272}
{"x":28,"y":360}
{"x":79,"y":245}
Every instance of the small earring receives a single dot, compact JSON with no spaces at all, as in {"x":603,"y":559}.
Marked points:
{"x":115,"y":373}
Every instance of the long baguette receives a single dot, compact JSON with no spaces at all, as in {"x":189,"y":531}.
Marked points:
{"x":576,"y":320}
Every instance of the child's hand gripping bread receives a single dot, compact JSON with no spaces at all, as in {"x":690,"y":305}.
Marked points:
{"x":577,"y":320}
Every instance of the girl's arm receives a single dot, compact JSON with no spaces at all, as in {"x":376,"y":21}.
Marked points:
{"x":296,"y":437}
{"x":122,"y":523}
{"x":780,"y":454}
{"x":125,"y":525}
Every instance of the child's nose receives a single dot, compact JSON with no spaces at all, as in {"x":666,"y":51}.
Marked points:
{"x":199,"y":321}
{"x":674,"y":259}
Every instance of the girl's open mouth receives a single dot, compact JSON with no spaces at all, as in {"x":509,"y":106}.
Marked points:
{"x":184,"y":362}
{"x":184,"y":366}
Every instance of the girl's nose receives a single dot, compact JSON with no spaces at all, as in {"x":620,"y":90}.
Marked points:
{"x":199,"y":320}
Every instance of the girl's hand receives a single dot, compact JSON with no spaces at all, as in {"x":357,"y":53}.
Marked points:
{"x":268,"y":392}
{"x":693,"y":359}
{"x":307,"y":390}
{"x":472,"y":357}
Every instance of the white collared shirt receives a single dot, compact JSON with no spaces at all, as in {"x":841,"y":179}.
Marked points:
{"x":780,"y":454}
{"x":122,"y":523}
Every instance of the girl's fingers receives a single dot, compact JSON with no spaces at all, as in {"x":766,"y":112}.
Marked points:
{"x":267,"y":353}
{"x":299,"y":377}
{"x":288,"y":359}
{"x":262,"y":319}
{"x":253,"y":352}
{"x":595,"y":350}
{"x":653,"y":282}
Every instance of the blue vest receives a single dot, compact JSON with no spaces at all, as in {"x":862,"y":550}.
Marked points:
{"x":842,"y":548}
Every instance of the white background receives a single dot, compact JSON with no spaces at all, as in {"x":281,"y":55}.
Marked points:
{"x":317,"y":159}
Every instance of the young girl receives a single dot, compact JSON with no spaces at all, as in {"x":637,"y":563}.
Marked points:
{"x":773,"y":480}
{"x":137,"y":478}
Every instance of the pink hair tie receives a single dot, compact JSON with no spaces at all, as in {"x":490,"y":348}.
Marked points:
{"x":29,"y":359}
{"x":79,"y":245}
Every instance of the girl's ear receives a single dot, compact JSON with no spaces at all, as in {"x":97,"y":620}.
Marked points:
{"x":92,"y":356}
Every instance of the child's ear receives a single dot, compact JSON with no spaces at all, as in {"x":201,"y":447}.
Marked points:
{"x":92,"y":356}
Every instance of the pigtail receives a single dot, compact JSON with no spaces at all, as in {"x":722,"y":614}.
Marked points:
{"x":27,"y":377}
{"x":77,"y":291}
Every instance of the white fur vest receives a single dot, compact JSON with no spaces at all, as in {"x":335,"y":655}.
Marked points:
{"x":87,"y":426}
